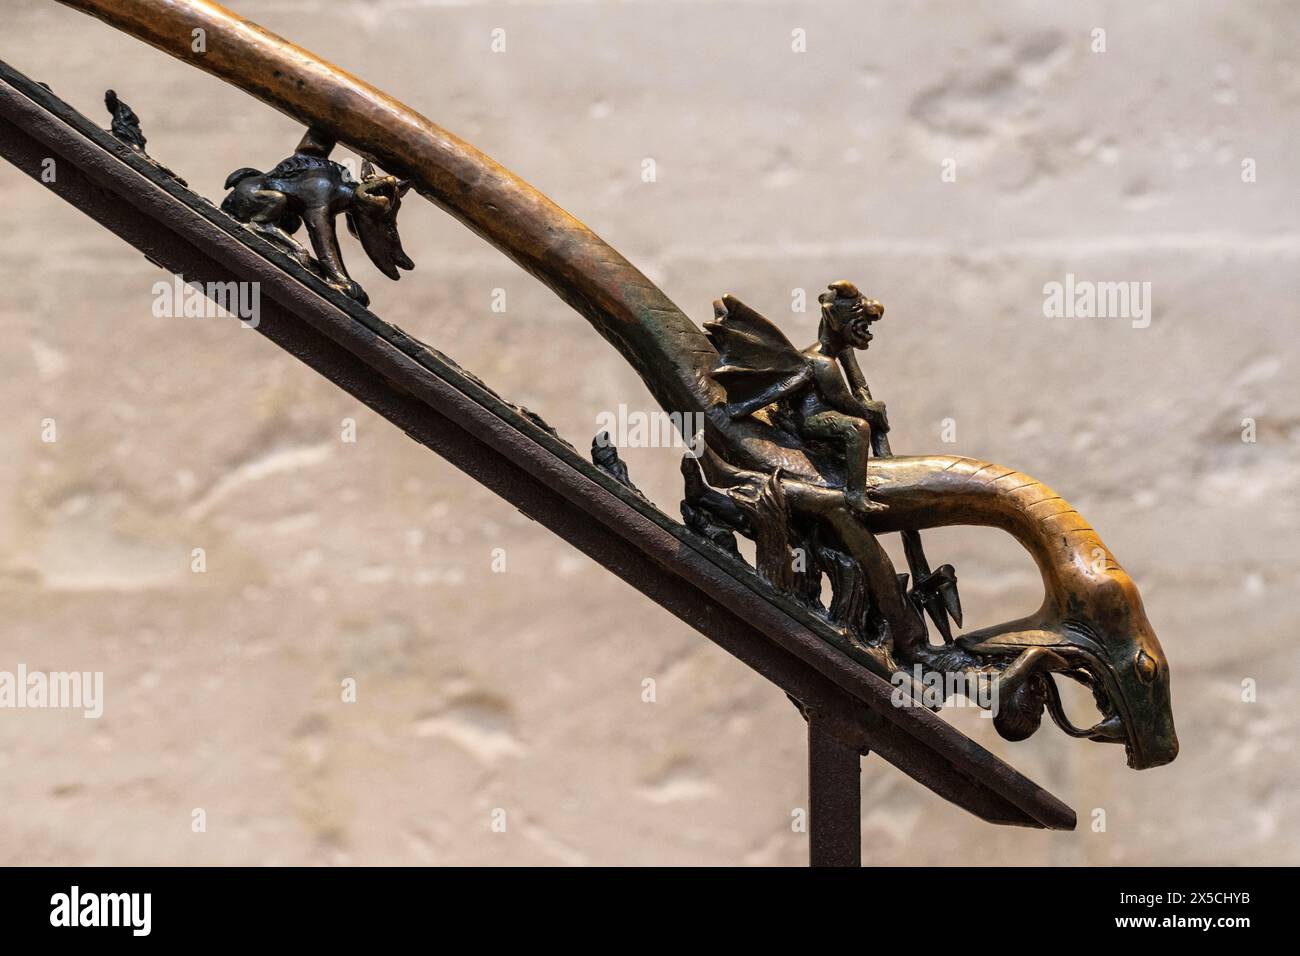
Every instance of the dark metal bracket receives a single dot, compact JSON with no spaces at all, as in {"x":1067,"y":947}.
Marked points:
{"x":849,"y":708}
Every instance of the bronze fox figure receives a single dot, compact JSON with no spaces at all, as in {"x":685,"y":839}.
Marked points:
{"x":311,"y":189}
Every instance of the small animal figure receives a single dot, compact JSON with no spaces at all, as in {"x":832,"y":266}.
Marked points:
{"x":604,"y":455}
{"x":125,"y":124}
{"x":312,"y":190}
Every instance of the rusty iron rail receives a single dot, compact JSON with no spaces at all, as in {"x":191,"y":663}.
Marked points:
{"x":439,"y":405}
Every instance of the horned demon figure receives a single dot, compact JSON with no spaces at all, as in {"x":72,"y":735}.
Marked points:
{"x":759,"y":367}
{"x":788,"y":465}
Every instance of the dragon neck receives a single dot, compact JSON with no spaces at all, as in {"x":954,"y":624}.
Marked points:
{"x":939,"y":490}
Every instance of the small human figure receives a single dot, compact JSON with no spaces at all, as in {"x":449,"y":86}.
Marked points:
{"x":758,"y":366}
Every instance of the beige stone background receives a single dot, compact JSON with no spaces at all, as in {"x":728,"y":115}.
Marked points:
{"x":776,"y":171}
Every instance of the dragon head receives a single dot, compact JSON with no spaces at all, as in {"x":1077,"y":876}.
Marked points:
{"x":1101,"y":639}
{"x":373,"y":220}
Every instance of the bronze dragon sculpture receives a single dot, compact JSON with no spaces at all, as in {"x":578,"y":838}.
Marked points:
{"x":786,"y":440}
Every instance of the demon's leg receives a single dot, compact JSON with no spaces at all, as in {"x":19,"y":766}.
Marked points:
{"x":854,"y":434}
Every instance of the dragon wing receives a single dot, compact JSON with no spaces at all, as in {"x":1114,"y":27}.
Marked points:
{"x":757,"y":365}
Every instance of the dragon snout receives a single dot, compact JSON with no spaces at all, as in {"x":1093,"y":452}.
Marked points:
{"x":1157,"y":756}
{"x":1153,"y":739}
{"x":1135,"y":673}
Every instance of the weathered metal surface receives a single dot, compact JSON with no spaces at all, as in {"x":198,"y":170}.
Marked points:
{"x":1091,"y":627}
{"x":309,"y":189}
{"x":627,"y":308}
{"x":450,"y":411}
{"x":1092,"y":617}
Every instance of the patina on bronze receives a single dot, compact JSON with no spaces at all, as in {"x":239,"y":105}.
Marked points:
{"x":309,"y":188}
{"x":1091,"y":626}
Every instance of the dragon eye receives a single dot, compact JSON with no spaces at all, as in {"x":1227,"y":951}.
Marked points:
{"x":1146,"y":667}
